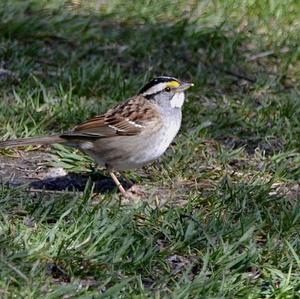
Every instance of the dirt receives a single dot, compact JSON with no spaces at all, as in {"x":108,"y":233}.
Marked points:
{"x":32,"y":168}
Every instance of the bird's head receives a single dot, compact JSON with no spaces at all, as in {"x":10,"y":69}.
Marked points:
{"x":166,"y":91}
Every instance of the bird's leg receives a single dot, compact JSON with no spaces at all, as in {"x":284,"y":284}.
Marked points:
{"x":131,"y":193}
{"x":117,"y":182}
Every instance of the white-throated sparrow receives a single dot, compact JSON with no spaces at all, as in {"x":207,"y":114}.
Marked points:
{"x":129,"y":135}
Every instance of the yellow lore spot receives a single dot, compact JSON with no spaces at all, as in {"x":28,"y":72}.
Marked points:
{"x":173,"y":84}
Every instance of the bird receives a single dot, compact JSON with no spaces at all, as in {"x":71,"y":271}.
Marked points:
{"x":131,"y":134}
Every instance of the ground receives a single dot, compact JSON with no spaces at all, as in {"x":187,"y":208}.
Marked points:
{"x":219,"y":213}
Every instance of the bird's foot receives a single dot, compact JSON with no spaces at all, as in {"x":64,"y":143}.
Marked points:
{"x":134,"y":193}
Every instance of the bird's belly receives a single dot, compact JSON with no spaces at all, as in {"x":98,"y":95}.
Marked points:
{"x":149,"y":148}
{"x":154,"y":147}
{"x":129,"y":152}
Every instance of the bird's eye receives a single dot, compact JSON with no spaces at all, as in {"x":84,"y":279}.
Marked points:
{"x":167,"y":89}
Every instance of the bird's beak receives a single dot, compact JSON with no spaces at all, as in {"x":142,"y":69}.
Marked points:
{"x":184,"y":86}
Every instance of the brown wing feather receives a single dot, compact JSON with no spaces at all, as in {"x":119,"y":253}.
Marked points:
{"x":126,"y":119}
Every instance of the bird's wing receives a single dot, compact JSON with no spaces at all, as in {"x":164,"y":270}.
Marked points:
{"x":126,"y":119}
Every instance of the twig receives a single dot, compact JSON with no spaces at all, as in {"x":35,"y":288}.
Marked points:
{"x":267,"y":53}
{"x":231,"y":73}
{"x":240,"y":76}
{"x":47,"y":62}
{"x":4,"y":74}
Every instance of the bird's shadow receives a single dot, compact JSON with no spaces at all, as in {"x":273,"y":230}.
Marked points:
{"x":78,"y":182}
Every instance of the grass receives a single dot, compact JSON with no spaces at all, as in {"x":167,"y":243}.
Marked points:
{"x":221,"y":215}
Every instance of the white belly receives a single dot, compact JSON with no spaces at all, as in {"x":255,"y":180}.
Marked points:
{"x":155,"y":145}
{"x":130,"y":152}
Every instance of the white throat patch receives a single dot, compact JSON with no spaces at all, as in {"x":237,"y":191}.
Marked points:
{"x":177,"y":100}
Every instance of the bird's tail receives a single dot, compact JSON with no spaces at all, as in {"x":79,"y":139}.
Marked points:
{"x":31,"y":141}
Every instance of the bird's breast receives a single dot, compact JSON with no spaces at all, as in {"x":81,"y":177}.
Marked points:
{"x":154,"y":145}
